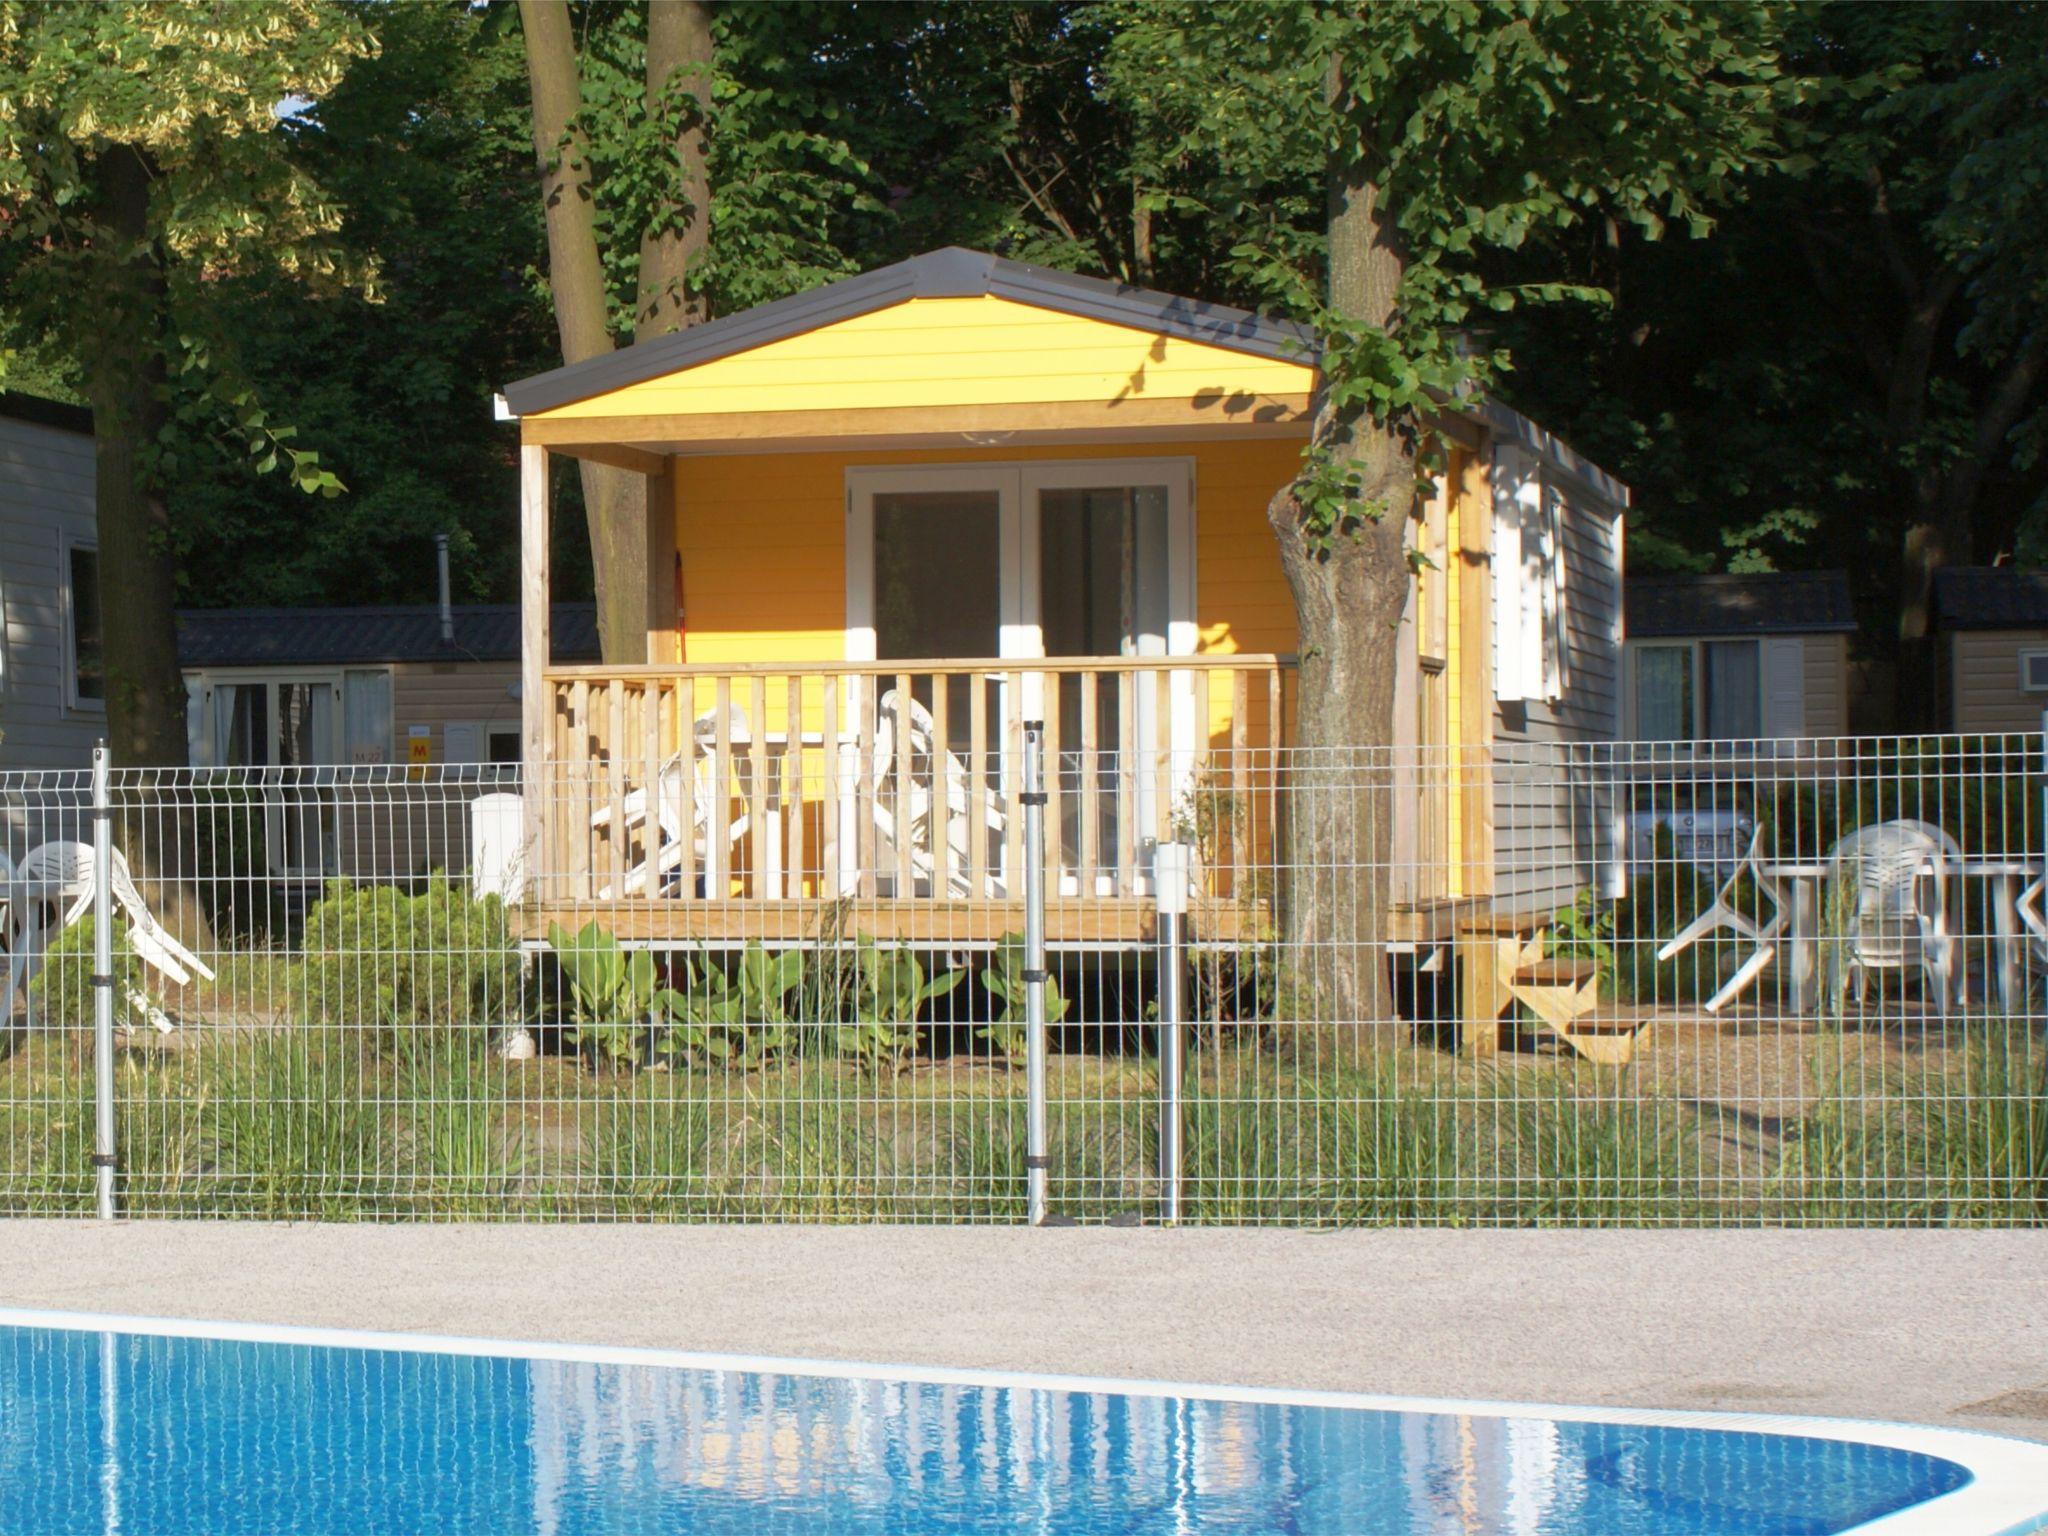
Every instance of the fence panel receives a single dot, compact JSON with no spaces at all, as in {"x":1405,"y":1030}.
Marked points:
{"x":780,"y":975}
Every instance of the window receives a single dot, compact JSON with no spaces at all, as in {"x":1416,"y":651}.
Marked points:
{"x":1699,"y":690}
{"x":366,"y":715}
{"x":504,"y":747}
{"x":2034,"y":671}
{"x":87,"y":667}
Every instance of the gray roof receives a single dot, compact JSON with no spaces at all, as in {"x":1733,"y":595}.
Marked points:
{"x":46,"y":413}
{"x":1777,"y":603}
{"x":1990,"y":597}
{"x":289,"y":637}
{"x":952,"y":273}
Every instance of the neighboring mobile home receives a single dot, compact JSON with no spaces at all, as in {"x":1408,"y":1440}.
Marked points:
{"x":917,"y":508}
{"x":1991,"y":623}
{"x":52,"y":696}
{"x":273,"y":687}
{"x":1738,"y":657}
{"x":313,"y":693}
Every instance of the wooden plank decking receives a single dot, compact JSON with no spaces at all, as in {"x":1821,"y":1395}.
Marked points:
{"x":1109,"y":922}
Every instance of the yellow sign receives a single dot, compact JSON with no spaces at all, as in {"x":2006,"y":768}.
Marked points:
{"x":419,"y":751}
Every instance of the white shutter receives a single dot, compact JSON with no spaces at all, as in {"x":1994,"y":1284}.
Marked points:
{"x":1783,"y":665}
{"x":462,"y":742}
{"x":1517,"y":557}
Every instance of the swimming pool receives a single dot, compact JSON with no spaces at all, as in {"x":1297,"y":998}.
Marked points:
{"x":163,"y":1428}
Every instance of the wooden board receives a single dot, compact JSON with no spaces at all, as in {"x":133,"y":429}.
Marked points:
{"x":1068,"y":921}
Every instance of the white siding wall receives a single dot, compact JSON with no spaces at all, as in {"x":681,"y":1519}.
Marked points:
{"x":1553,"y":817}
{"x":46,"y":500}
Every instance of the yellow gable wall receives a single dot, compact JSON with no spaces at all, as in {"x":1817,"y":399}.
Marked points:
{"x":950,"y":352}
{"x":763,"y":541}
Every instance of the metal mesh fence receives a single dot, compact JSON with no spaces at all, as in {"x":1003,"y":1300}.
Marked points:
{"x":761,"y":975}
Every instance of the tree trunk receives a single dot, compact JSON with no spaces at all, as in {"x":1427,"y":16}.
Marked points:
{"x":145,"y":691}
{"x":1942,"y":529}
{"x":1350,"y":587}
{"x":679,"y":58}
{"x":614,"y":500}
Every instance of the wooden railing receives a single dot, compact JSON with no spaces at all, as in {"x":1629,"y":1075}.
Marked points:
{"x":776,"y":781}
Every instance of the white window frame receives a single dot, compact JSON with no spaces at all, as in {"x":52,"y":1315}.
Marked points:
{"x":211,"y":678}
{"x":2032,"y":653}
{"x":67,"y":545}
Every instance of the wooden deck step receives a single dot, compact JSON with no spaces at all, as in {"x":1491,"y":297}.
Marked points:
{"x":1505,"y":924}
{"x":1555,"y":973}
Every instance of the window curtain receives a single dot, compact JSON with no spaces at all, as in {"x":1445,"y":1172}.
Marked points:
{"x":1734,"y":690}
{"x":366,"y":716}
{"x":1664,"y":692}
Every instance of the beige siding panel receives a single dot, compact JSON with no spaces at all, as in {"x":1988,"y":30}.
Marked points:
{"x":1985,"y":680}
{"x":1827,"y":685}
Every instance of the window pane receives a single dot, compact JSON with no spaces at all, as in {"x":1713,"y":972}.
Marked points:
{"x":366,"y":708}
{"x":505,"y":745}
{"x":88,"y":673}
{"x":1734,"y":690}
{"x":241,"y":724}
{"x":1664,"y":692}
{"x":938,"y":587}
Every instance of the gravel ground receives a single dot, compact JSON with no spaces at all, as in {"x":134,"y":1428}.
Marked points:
{"x":1930,"y":1326}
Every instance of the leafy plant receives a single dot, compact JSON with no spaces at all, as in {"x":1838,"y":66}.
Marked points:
{"x":615,"y":994}
{"x":377,"y":954}
{"x":61,"y":994}
{"x":743,"y":1018}
{"x":1585,"y":930}
{"x":889,"y":992}
{"x":1003,"y":976}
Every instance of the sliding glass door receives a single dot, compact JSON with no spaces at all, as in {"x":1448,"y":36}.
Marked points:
{"x":1059,"y":560}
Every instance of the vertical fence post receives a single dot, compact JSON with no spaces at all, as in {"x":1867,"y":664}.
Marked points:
{"x":102,"y":986}
{"x":1036,"y":1162}
{"x":1170,"y":866}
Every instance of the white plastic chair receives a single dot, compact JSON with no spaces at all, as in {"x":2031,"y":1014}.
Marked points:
{"x":668,"y":788}
{"x":911,"y":806}
{"x":1722,"y":913}
{"x":52,"y":888}
{"x":1889,"y":883}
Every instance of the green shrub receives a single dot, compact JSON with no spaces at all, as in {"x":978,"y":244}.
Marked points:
{"x":376,"y":954}
{"x":61,"y":994}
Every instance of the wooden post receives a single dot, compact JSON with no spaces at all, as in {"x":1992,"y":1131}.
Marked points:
{"x":662,"y":649}
{"x":536,"y":703}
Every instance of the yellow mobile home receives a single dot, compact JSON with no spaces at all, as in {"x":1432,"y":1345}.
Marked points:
{"x":892,"y":520}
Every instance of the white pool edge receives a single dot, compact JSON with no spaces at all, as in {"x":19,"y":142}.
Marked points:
{"x":2007,"y":1494}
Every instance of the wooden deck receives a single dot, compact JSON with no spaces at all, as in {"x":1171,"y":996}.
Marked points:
{"x":1071,"y":923}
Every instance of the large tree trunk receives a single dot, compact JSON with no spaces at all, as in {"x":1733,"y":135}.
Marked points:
{"x":614,"y":500}
{"x":144,"y":688}
{"x":679,"y":59}
{"x":145,"y":692}
{"x":1942,"y":527}
{"x":1350,"y":587}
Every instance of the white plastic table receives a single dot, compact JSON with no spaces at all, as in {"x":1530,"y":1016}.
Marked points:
{"x":1795,"y":885}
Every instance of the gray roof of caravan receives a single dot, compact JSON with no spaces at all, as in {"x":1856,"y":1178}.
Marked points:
{"x":1778,"y":602}
{"x":289,"y":637}
{"x":45,"y":413}
{"x":952,"y":273}
{"x":1990,"y":597}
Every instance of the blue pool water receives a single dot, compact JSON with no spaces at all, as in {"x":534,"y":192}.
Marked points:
{"x":158,"y":1436}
